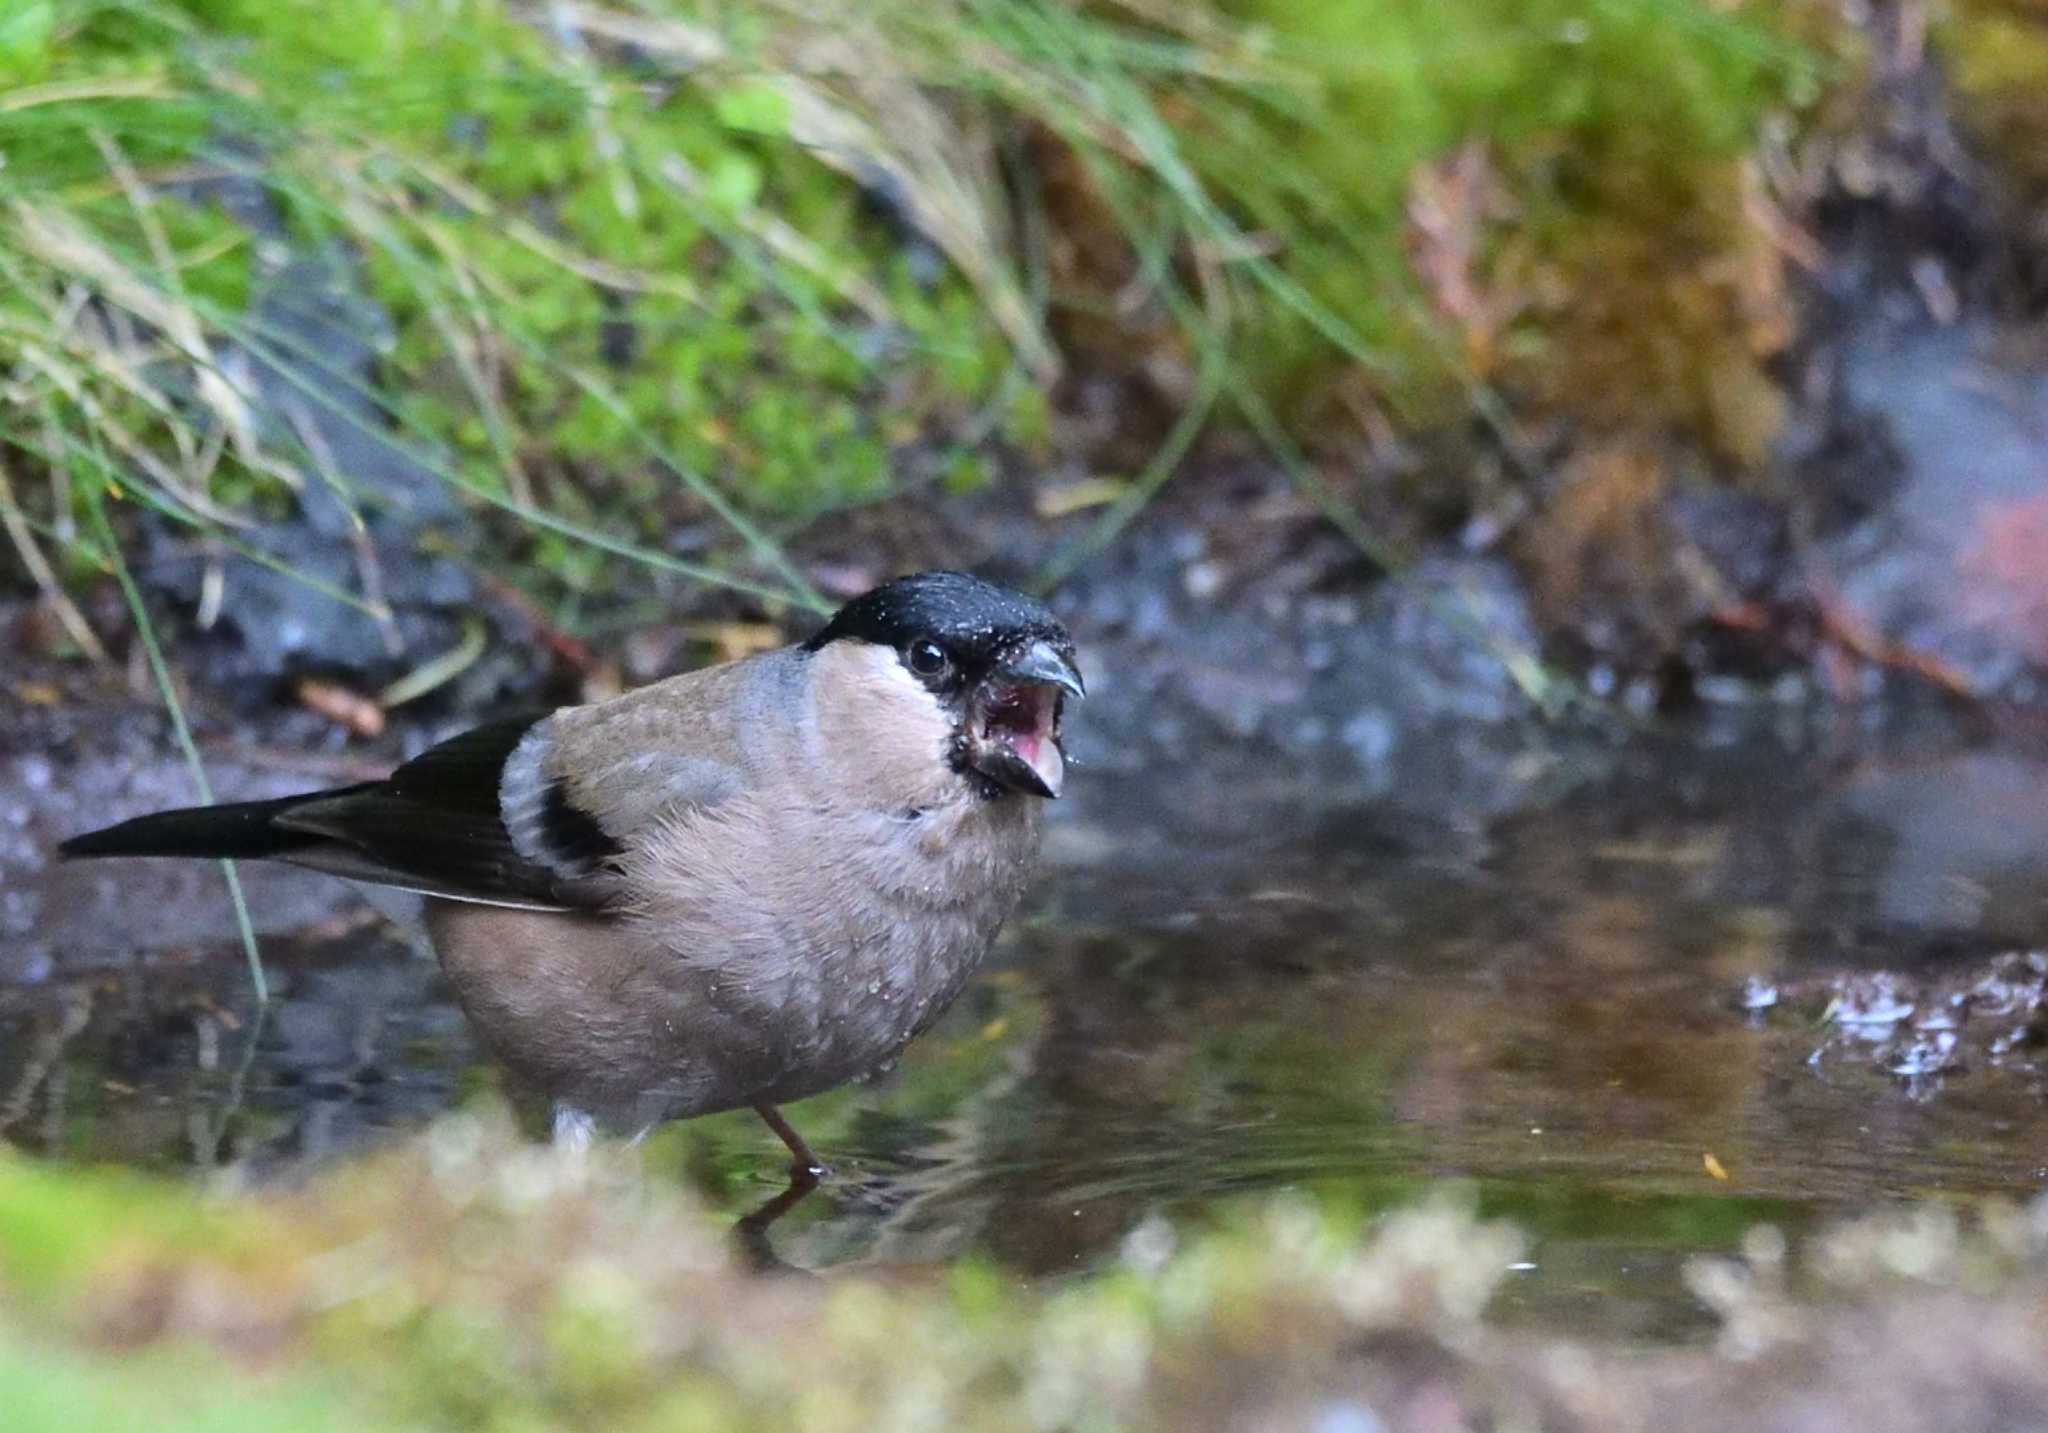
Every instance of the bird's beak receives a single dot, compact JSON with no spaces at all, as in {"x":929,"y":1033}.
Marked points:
{"x":1044,"y":663}
{"x":1016,"y":737}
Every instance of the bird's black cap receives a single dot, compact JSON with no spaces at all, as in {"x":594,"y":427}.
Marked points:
{"x":966,"y":613}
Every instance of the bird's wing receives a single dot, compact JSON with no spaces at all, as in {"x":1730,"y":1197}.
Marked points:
{"x":436,"y":825}
{"x":531,"y":812}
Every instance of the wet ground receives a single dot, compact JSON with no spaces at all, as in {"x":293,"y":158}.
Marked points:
{"x":1638,"y":1013}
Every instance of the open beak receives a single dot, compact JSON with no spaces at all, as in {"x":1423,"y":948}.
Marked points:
{"x":1017,"y":721}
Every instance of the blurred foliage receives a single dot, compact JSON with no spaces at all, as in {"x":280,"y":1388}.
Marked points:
{"x":1487,"y":191}
{"x":638,"y":265}
{"x":470,"y":1282}
{"x":1998,"y":52}
{"x":466,"y":1281}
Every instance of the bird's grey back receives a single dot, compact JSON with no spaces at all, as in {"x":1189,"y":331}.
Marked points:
{"x":690,"y":741}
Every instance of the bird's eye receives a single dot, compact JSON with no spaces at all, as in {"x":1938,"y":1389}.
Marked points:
{"x":927,"y":658}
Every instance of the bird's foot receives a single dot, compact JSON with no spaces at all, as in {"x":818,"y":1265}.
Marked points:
{"x":809,"y":1173}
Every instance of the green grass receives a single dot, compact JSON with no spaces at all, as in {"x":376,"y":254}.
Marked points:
{"x":648,"y":266}
{"x":167,"y":688}
{"x":513,"y":204}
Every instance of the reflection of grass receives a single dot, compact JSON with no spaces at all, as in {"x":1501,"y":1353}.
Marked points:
{"x":1588,"y":1211}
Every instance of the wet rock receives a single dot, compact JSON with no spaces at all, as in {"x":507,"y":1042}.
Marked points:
{"x":1741,"y":535}
{"x":1401,"y":692}
{"x":1975,"y":1014}
{"x":364,"y":513}
{"x":1953,"y":563}
{"x":1916,"y":456}
{"x":1952,"y":841}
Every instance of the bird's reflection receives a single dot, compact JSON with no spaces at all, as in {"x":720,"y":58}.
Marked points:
{"x":750,"y":1234}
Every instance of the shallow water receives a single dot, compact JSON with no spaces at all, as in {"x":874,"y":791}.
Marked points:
{"x":1206,"y":999}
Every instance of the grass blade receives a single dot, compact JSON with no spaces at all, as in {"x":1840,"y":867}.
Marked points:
{"x":94,"y":496}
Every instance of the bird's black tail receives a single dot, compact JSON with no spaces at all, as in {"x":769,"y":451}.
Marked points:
{"x":242,"y":830}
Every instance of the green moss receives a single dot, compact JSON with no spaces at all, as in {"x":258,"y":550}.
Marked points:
{"x":1601,"y":128}
{"x":58,"y":1390}
{"x":59,"y":1222}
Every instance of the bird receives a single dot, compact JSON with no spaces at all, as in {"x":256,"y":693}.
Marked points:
{"x":735,"y":887}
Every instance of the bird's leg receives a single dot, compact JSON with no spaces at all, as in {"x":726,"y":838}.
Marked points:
{"x":807,"y":1169}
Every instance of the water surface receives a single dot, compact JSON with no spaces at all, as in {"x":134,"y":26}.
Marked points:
{"x":1207,"y":999}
